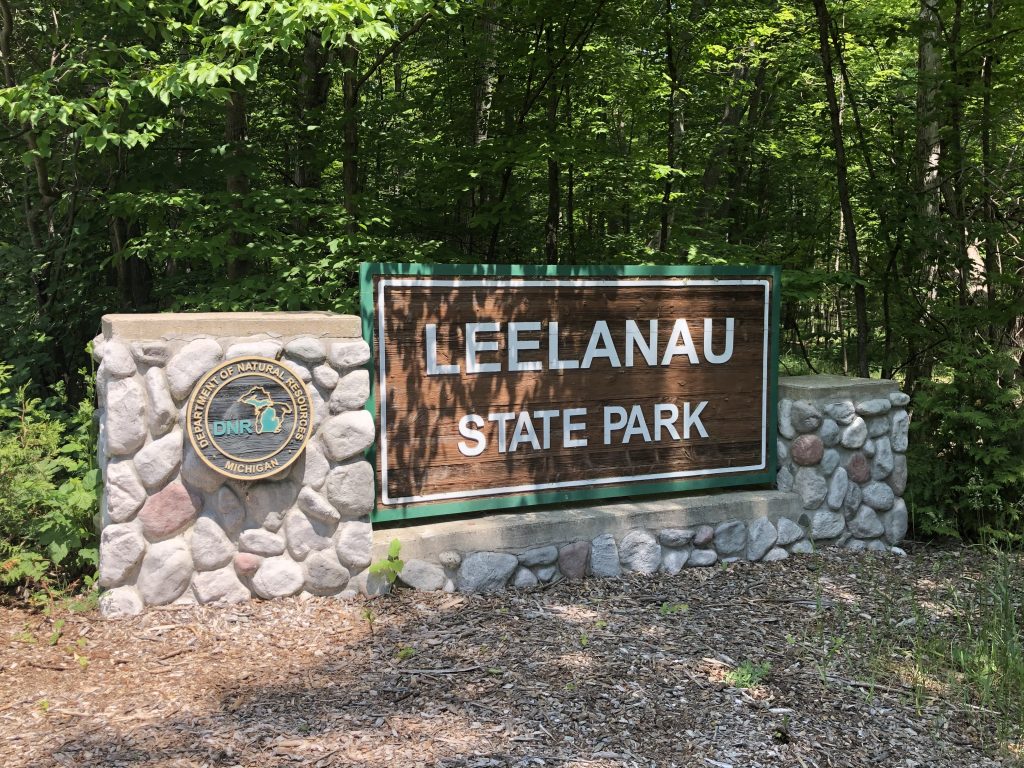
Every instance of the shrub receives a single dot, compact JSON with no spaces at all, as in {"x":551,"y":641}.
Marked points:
{"x":49,"y":490}
{"x":967,"y":449}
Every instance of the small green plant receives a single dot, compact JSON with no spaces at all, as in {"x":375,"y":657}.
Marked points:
{"x":584,"y":640}
{"x":369,"y":616}
{"x":601,"y":624}
{"x":406,"y":652}
{"x":390,"y":567}
{"x":748,"y":674}
{"x":671,"y":609}
{"x":58,"y":630}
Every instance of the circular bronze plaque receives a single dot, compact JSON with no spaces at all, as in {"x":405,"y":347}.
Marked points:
{"x":249,"y":418}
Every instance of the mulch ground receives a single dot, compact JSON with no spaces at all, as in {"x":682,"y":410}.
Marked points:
{"x":632,"y":672}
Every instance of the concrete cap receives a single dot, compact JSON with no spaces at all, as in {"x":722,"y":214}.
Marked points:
{"x":828,"y":387}
{"x":166,"y":325}
{"x":519,"y":531}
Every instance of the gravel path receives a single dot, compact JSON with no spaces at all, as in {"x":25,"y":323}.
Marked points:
{"x":633,"y":672}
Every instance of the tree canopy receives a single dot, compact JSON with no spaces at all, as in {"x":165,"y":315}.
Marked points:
{"x":248,"y":154}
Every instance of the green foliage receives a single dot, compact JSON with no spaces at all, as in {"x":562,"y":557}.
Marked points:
{"x":748,"y":674}
{"x":390,"y":567}
{"x":967,"y":449}
{"x":49,"y":488}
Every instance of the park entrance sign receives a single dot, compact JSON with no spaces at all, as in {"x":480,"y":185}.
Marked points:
{"x":502,"y":387}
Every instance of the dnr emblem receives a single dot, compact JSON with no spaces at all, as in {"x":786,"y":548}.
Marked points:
{"x":249,"y":418}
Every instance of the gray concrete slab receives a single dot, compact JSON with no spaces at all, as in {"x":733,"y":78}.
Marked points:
{"x":824,"y":387}
{"x":519,"y":531}
{"x":171,"y":325}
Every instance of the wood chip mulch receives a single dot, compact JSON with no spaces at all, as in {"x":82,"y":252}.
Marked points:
{"x":631,"y":672}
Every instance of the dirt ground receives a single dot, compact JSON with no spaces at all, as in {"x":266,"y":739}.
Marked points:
{"x":634,"y":672}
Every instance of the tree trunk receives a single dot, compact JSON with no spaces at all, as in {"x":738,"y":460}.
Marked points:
{"x":350,"y":134}
{"x":237,"y":180}
{"x":859,"y":296}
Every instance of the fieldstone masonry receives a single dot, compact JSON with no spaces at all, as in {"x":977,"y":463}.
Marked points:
{"x":842,"y":473}
{"x":176,"y":532}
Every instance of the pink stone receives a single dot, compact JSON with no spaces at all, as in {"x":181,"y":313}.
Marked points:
{"x":858,"y":469}
{"x":807,"y":450}
{"x":247,"y":564}
{"x":704,"y":535}
{"x":168,"y":511}
{"x":572,"y":559}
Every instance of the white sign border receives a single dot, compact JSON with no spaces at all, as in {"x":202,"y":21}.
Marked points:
{"x":526,"y":283}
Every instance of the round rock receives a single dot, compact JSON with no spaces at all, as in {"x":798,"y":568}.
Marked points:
{"x":163,"y":414}
{"x":350,"y":489}
{"x":125,"y":492}
{"x":788,"y":532}
{"x":538,"y":556}
{"x":785,"y":424}
{"x":895,"y":522}
{"x":220,"y":586}
{"x":278,"y":577}
{"x":159,"y":461}
{"x":211,"y":548}
{"x":120,"y":603}
{"x":572,"y":559}
{"x":807,"y":450}
{"x":315,"y":505}
{"x":639,"y":552}
{"x":302,"y":536}
{"x":307,"y":349}
{"x":260,"y":542}
{"x":604,"y":557}
{"x":784,"y":480}
{"x":121,"y":549}
{"x":761,"y":537}
{"x":837,"y":489}
{"x":900,"y":430}
{"x":866,"y":524}
{"x":354,"y":544}
{"x":125,"y":417}
{"x":855,"y":434}
{"x":730,"y":537}
{"x":841,"y":411}
{"x":829,"y":433}
{"x":874,"y":407}
{"x":351,"y":391}
{"x":425,"y":577}
{"x":155,"y":353}
{"x":347,"y":434}
{"x":324,"y":575}
{"x":826,"y":525}
{"x":349,"y":354}
{"x":858,"y":469}
{"x":811,"y":487}
{"x":191,"y":362}
{"x":486,"y":571}
{"x":804,"y":416}
{"x":701,"y":558}
{"x":168,"y":511}
{"x":674,"y":560}
{"x":165,"y":573}
{"x":878,"y":496}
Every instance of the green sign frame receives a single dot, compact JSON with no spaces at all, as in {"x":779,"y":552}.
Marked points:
{"x":369,"y":271}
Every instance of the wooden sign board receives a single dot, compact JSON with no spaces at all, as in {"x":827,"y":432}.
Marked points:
{"x":500,"y":387}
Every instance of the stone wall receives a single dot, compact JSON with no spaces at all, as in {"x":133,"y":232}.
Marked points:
{"x":175,"y":531}
{"x":842,"y":450}
{"x":842,"y":473}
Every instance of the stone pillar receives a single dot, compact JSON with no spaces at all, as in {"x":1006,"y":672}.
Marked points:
{"x":176,"y":531}
{"x":842,"y":448}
